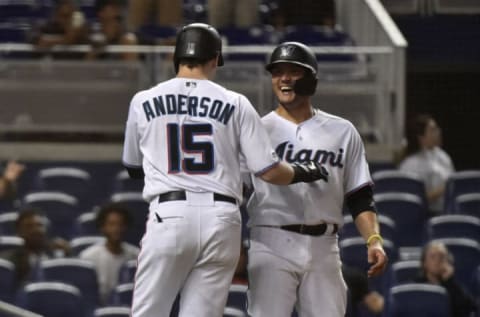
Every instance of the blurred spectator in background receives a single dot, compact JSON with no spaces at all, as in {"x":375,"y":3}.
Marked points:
{"x":304,"y":12}
{"x":113,"y":221}
{"x":66,"y":27}
{"x":424,"y":157}
{"x":158,"y":12}
{"x":240,"y":275}
{"x":360,"y":293}
{"x":8,"y":180}
{"x":437,"y":267}
{"x":110,"y":30}
{"x":31,"y":225}
{"x":237,"y":13}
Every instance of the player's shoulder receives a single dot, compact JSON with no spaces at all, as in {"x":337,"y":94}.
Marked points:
{"x":333,"y":120}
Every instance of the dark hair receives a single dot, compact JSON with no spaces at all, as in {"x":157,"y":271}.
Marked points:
{"x":416,"y":127}
{"x":112,"y":208}
{"x":27,"y":212}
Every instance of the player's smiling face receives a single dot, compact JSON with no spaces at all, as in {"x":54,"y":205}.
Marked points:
{"x":284,"y":76}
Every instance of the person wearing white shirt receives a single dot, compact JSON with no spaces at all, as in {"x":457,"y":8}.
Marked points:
{"x":427,"y":159}
{"x":108,"y":256}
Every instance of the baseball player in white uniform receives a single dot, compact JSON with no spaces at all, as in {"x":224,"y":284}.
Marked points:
{"x":294,"y":256}
{"x":185,"y":137}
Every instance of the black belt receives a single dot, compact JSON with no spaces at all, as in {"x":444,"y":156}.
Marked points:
{"x":181,"y":195}
{"x":312,"y":230}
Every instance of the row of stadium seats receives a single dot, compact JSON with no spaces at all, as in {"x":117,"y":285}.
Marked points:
{"x":68,"y":196}
{"x":80,"y":280}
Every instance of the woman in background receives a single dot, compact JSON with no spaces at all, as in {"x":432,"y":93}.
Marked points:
{"x":425,"y":158}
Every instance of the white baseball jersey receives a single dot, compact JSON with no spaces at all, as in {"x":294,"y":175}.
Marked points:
{"x":325,"y":138}
{"x":188,"y":134}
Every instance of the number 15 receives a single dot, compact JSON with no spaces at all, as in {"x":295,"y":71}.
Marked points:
{"x":182,"y":140}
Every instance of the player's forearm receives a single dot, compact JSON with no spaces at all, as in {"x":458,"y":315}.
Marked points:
{"x":280,"y":174}
{"x":367,"y":224}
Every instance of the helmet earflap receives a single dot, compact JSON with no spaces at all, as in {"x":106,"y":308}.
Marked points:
{"x":306,"y":85}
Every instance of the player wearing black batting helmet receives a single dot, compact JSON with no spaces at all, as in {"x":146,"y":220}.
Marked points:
{"x":301,"y":55}
{"x":198,"y":41}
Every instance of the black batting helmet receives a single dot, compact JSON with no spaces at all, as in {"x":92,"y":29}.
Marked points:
{"x":301,"y":55}
{"x":198,"y":41}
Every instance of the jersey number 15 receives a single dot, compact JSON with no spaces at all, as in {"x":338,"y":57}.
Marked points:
{"x":181,"y":142}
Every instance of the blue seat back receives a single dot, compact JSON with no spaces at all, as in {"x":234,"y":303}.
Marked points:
{"x":52,"y":299}
{"x":418,"y":300}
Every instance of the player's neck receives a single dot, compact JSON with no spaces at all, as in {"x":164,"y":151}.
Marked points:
{"x":297,"y":114}
{"x":199,"y":72}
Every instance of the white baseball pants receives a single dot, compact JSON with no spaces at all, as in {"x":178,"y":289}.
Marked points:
{"x":193,"y":250}
{"x":288,"y":270}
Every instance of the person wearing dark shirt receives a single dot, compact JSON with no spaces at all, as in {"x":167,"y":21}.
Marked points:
{"x":65,"y":27}
{"x":110,"y":30}
{"x":360,"y":293}
{"x":31,"y":226}
{"x":437,"y":268}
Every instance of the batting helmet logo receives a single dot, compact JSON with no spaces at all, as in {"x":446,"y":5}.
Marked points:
{"x":286,"y":51}
{"x":190,"y":48}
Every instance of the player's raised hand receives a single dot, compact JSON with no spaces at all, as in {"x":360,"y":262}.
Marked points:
{"x":309,"y":172}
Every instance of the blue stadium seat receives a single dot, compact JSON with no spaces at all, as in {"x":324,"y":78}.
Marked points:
{"x":255,"y":35}
{"x":398,"y":181}
{"x":195,"y":11}
{"x":403,"y":272}
{"x":112,"y":311}
{"x":138,"y":208}
{"x":454,"y":226}
{"x":7,"y":223}
{"x":468,"y":204}
{"x":60,"y":209}
{"x":79,"y":273}
{"x":458,"y":183}
{"x":7,"y":280}
{"x":85,"y":224}
{"x":123,"y":183}
{"x":88,"y":8}
{"x":39,"y":298}
{"x":353,"y":253}
{"x":237,"y":297}
{"x":127,"y":272}
{"x":81,"y":243}
{"x":408,"y":212}
{"x":10,"y":242}
{"x":387,"y":228}
{"x":25,"y":10}
{"x":315,"y":35}
{"x":70,"y":180}
{"x":155,"y":34}
{"x":466,"y":253}
{"x":122,"y":295}
{"x":418,"y":300}
{"x":13,"y":32}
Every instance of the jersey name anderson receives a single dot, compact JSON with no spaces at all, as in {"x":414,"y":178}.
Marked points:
{"x":188,"y":105}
